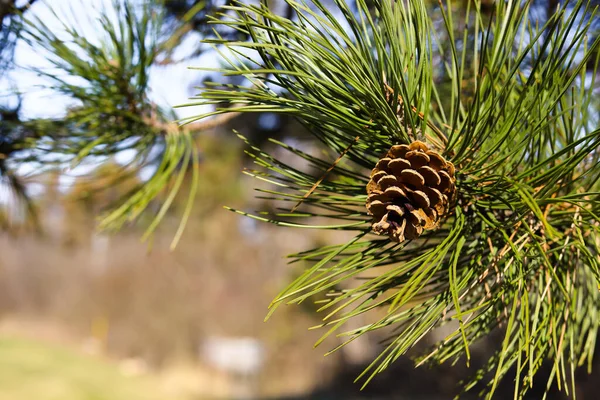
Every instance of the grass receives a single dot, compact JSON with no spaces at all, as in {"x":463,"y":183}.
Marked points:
{"x":32,"y":369}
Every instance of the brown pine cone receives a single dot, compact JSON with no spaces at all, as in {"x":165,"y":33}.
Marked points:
{"x":410,"y":190}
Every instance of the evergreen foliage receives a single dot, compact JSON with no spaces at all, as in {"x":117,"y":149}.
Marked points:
{"x":511,"y":99}
{"x":519,"y":252}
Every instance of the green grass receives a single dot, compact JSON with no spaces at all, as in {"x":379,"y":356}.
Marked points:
{"x":32,"y":370}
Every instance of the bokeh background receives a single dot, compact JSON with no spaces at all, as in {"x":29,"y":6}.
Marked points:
{"x":92,"y":315}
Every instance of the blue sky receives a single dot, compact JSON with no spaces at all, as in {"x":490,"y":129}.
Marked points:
{"x":170,"y":85}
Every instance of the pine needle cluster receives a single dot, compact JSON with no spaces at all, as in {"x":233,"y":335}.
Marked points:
{"x":510,"y":100}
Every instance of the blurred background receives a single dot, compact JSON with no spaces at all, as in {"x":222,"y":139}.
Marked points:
{"x":92,"y":315}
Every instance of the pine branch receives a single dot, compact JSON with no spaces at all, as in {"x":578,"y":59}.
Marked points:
{"x":113,"y":111}
{"x":511,"y":109}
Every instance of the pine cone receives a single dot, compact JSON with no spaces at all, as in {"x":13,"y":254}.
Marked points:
{"x":410,"y":190}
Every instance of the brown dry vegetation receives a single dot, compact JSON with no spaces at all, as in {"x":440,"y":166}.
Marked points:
{"x":131,"y":300}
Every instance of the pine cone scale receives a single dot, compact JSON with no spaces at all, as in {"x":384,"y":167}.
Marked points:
{"x":431,"y":177}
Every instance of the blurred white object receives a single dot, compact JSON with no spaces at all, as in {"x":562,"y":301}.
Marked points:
{"x":241,"y":359}
{"x":243,"y":356}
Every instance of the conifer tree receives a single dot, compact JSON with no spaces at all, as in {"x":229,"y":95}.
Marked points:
{"x":476,"y":206}
{"x":462,"y":143}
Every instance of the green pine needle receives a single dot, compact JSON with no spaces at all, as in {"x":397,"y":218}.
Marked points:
{"x":508,"y":100}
